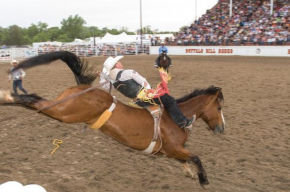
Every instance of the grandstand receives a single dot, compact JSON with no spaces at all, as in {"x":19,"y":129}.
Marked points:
{"x":251,"y":24}
{"x":228,"y":23}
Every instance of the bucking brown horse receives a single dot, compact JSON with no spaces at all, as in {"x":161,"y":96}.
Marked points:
{"x":131,"y":126}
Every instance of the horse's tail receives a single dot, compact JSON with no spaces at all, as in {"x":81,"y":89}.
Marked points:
{"x":84,"y":73}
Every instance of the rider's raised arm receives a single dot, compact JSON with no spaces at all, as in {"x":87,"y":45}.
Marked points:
{"x":140,"y":80}
{"x":105,"y":84}
{"x":104,"y":79}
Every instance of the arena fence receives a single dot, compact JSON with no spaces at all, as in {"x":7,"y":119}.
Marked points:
{"x":281,"y":51}
{"x":17,"y":53}
{"x":80,"y":50}
{"x":109,"y":50}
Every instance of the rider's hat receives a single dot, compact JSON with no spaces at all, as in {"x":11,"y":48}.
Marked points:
{"x":14,"y":61}
{"x":111,"y":62}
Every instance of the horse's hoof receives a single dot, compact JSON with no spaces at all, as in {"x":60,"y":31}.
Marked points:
{"x":205,"y":183}
{"x":6,"y":96}
{"x":202,"y":179}
{"x":206,"y":187}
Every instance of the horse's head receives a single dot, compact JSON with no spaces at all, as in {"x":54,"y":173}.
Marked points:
{"x":206,"y":104}
{"x":164,"y":60}
{"x":212,"y":112}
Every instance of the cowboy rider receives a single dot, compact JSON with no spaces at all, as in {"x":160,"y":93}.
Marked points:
{"x":130,"y":83}
{"x":162,"y":49}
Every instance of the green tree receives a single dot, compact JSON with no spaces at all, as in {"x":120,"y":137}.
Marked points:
{"x":130,"y":33}
{"x":73,"y":27}
{"x":15,"y":36}
{"x":114,"y":31}
{"x":53,"y":33}
{"x":147,"y":29}
{"x":41,"y":37}
{"x":32,"y":31}
{"x":26,"y":40}
{"x":63,"y":38}
{"x":3,"y":35}
{"x":42,"y":26}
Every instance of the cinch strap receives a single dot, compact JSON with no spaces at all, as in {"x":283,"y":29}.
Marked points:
{"x":156,"y":113}
{"x":105,"y":116}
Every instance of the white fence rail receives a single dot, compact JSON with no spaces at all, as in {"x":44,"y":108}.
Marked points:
{"x":82,"y":51}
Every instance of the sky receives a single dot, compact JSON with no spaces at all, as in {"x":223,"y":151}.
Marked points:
{"x":161,"y":15}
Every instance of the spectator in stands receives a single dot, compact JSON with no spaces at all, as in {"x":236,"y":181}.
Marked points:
{"x":17,"y":76}
{"x":152,"y":41}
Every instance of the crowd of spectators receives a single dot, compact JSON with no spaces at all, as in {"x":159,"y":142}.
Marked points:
{"x":156,"y":41}
{"x":81,"y":50}
{"x":251,"y":24}
{"x":100,"y":50}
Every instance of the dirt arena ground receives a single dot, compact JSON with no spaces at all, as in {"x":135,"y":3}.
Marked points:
{"x":252,"y":155}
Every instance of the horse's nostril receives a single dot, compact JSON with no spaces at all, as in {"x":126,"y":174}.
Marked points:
{"x":218,"y":129}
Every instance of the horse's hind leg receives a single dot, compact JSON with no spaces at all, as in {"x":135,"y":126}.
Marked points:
{"x":31,"y":100}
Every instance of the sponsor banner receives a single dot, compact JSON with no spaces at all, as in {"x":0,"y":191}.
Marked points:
{"x":5,"y":55}
{"x":280,"y":51}
{"x":31,"y":53}
{"x":5,"y":58}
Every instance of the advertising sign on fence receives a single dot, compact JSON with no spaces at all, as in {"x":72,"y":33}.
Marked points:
{"x":281,"y":51}
{"x":5,"y":55}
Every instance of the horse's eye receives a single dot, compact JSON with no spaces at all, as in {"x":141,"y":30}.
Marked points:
{"x":219,"y":108}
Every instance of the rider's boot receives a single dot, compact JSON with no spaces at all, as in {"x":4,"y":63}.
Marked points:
{"x":189,"y":122}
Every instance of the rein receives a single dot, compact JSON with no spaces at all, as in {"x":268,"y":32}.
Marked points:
{"x":70,"y":97}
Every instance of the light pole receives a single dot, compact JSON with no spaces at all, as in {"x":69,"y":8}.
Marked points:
{"x":141,"y":22}
{"x":231,"y":8}
{"x":271,"y":8}
{"x":94,"y":37}
{"x":195,"y":10}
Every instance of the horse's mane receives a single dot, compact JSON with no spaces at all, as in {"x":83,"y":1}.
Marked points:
{"x":210,"y":90}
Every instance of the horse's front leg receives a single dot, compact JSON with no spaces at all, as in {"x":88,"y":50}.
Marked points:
{"x":186,"y":169}
{"x":183,"y":155}
{"x":202,"y":176}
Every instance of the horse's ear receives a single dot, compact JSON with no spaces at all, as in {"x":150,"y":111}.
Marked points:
{"x":217,"y":93}
{"x":220,"y":97}
{"x":215,"y":96}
